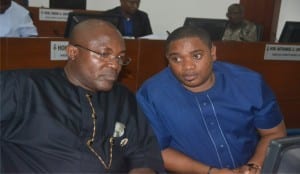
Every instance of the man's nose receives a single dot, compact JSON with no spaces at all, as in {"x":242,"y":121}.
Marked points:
{"x":135,"y":5}
{"x":188,"y":63}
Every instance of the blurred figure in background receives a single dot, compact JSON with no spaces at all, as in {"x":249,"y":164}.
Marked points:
{"x":134,"y":23}
{"x":15,"y":20}
{"x":238,"y":28}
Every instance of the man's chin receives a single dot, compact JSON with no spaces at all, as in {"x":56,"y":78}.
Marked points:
{"x":105,"y":86}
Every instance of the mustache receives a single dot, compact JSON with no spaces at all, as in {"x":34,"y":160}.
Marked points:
{"x":189,"y":73}
{"x":109,"y":74}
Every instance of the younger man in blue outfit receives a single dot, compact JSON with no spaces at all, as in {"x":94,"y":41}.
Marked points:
{"x":209,"y":116}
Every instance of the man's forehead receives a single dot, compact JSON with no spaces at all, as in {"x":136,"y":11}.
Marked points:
{"x":235,"y":9}
{"x":133,"y":1}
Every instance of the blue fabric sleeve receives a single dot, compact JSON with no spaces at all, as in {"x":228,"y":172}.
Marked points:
{"x":149,"y":109}
{"x":269,"y":114}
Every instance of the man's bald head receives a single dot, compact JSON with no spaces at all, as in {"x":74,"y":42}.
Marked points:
{"x":93,"y":51}
{"x":87,"y":30}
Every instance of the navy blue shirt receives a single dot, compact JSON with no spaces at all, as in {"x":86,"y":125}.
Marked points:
{"x":46,"y":122}
{"x":217,"y":127}
{"x":128,"y":27}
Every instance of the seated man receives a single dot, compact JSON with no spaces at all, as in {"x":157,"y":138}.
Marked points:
{"x":238,"y":28}
{"x":134,"y":23}
{"x":15,"y":20}
{"x":76,"y":119}
{"x":209,"y":116}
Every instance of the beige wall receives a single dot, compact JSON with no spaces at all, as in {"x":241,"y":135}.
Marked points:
{"x":289,"y":11}
{"x":169,"y":14}
{"x":164,"y":14}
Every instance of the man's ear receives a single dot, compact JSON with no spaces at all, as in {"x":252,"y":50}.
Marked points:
{"x":213,"y":52}
{"x":72,"y":52}
{"x":227,"y":14}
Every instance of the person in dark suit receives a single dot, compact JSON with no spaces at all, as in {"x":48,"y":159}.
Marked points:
{"x":76,"y":119}
{"x":134,"y":22}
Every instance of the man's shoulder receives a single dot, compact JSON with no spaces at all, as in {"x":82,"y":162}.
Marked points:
{"x":248,"y":24}
{"x":121,"y":88}
{"x":31,"y":73}
{"x":27,"y":78}
{"x":18,"y":8}
{"x":158,"y":87}
{"x":234,"y":71}
{"x":159,"y":80}
{"x":227,"y":67}
{"x":141,"y":13}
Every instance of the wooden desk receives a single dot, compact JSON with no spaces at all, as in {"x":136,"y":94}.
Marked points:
{"x":47,"y":28}
{"x":148,"y":59}
{"x":51,"y":28}
{"x":27,"y":53}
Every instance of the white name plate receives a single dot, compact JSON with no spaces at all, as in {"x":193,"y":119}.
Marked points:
{"x":282,"y":52}
{"x":58,"y":50}
{"x":46,"y":14}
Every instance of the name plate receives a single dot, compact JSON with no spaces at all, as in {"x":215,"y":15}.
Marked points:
{"x":46,"y":14}
{"x":282,"y":52}
{"x":58,"y":50}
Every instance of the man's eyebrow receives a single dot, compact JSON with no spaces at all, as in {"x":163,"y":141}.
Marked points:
{"x":172,"y":53}
{"x":199,"y":50}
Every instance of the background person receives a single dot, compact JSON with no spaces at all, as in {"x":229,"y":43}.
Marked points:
{"x":15,"y":20}
{"x":209,"y":116}
{"x":76,"y":119}
{"x":135,"y":23}
{"x":238,"y":28}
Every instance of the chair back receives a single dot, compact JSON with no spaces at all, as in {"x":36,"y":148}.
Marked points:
{"x":259,"y":31}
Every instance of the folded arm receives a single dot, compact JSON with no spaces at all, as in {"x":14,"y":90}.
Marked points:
{"x":267,"y":135}
{"x":142,"y":171}
{"x":178,"y":162}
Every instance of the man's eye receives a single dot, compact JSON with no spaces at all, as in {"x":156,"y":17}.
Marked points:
{"x":197,"y":56}
{"x":122,"y":57}
{"x":104,"y":54}
{"x":175,"y":59}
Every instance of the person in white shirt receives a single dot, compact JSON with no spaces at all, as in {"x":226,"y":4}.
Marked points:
{"x":15,"y":20}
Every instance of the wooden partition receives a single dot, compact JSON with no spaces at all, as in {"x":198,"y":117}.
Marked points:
{"x":148,"y":59}
{"x":129,"y":73}
{"x":35,"y":53}
{"x":151,"y":59}
{"x":27,"y":53}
